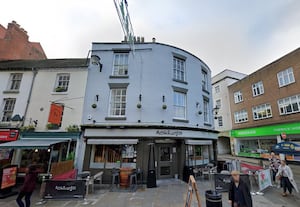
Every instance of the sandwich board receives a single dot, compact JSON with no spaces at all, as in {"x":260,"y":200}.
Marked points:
{"x":192,"y":188}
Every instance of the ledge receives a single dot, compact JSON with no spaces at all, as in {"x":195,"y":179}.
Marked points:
{"x":206,"y":91}
{"x":180,"y":81}
{"x":11,"y":91}
{"x":180,"y":120}
{"x":59,"y":93}
{"x":118,"y":76}
{"x":112,"y":118}
{"x":207,"y":124}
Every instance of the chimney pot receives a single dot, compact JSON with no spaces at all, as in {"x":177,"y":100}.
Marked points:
{"x":153,"y":40}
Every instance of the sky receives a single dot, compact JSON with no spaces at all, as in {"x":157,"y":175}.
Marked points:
{"x":241,"y":35}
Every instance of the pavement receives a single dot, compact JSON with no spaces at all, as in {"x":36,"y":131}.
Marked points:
{"x":169,"y":193}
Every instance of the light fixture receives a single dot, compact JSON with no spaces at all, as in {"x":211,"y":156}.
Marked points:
{"x":95,"y":60}
{"x":140,"y":97}
{"x":215,"y":112}
{"x":36,"y":150}
{"x":49,"y":150}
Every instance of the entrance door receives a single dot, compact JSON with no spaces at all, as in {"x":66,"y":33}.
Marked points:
{"x":166,"y":161}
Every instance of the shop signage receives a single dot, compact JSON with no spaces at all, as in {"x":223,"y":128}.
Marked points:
{"x":264,"y":179}
{"x":56,"y":112}
{"x":289,"y":148}
{"x":292,"y":128}
{"x":169,"y":132}
{"x":61,"y":189}
{"x":9,"y":135}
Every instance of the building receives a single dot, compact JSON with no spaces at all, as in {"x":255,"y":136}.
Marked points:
{"x":265,"y":107}
{"x":47,"y":96}
{"x":220,"y":93}
{"x":14,"y":44}
{"x":157,"y":95}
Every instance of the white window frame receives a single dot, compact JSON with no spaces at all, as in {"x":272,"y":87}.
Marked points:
{"x":204,"y":80}
{"x":286,"y":77}
{"x":220,"y":121}
{"x":258,"y":88}
{"x":206,"y":110}
{"x":179,"y":71}
{"x":62,"y":83}
{"x":217,"y":89}
{"x":120,"y":64}
{"x":289,"y":105}
{"x":14,"y":81}
{"x":218,"y":103}
{"x":121,"y":102}
{"x":8,"y":107}
{"x":263,"y":111}
{"x":238,"y":97}
{"x":179,"y":105}
{"x":241,"y":116}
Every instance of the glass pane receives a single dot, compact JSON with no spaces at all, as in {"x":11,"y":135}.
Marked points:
{"x":165,"y":154}
{"x":166,"y":170}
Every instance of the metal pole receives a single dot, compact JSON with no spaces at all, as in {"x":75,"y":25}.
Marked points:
{"x":85,"y":201}
{"x":50,"y":160}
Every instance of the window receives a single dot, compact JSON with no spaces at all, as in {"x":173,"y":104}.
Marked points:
{"x":257,"y":88}
{"x":8,"y":109}
{"x":220,"y":121}
{"x":217,"y":89}
{"x":289,"y":105}
{"x":62,"y":82}
{"x":204,"y":80}
{"x":263,"y":111}
{"x":178,"y":69}
{"x":15,"y":81}
{"x":218,"y":103}
{"x":238,"y":97}
{"x":117,"y":102}
{"x":120,"y":64}
{"x":179,"y":101}
{"x":285,"y":77}
{"x":206,"y":110}
{"x":240,"y":116}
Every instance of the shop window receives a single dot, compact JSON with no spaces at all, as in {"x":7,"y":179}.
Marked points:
{"x":113,"y":156}
{"x":120,"y":67}
{"x":62,"y":82}
{"x":258,"y":88}
{"x":289,"y":105}
{"x":238,"y":97}
{"x":263,"y":111}
{"x":285,"y":77}
{"x":8,"y":109}
{"x":179,"y":69}
{"x":197,"y":155}
{"x":117,"y":102}
{"x":179,"y":101}
{"x":14,"y":81}
{"x":240,"y":116}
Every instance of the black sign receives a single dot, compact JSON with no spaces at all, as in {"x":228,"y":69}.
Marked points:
{"x":222,"y":181}
{"x":60,"y":189}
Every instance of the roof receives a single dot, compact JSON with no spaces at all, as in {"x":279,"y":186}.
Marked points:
{"x":47,"y":63}
{"x":2,"y":32}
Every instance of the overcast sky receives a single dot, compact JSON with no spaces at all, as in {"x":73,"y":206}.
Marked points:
{"x":241,"y":35}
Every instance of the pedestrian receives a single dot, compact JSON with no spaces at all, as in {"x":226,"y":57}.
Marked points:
{"x":28,"y":186}
{"x":286,"y":177}
{"x":239,"y":193}
{"x":274,"y":165}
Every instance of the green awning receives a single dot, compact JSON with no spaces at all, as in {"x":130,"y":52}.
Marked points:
{"x":32,"y":143}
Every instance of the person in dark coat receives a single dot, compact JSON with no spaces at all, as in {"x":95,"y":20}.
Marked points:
{"x":28,"y":186}
{"x":239,"y":193}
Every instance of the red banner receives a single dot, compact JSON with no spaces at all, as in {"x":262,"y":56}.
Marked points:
{"x":55,"y":115}
{"x":8,"y":135}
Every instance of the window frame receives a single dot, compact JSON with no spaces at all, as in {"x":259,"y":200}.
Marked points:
{"x":64,"y":87}
{"x":204,"y":83}
{"x":241,"y":116}
{"x":121,"y":66}
{"x":4,"y":111}
{"x":289,"y":102}
{"x":258,"y":89}
{"x":179,"y":73}
{"x":238,"y":97}
{"x":176,"y":105}
{"x":287,"y":73}
{"x":110,"y":114}
{"x":13,"y":81}
{"x":265,"y":108}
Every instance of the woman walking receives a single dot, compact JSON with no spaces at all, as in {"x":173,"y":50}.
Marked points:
{"x":286,"y":176}
{"x":27,"y":187}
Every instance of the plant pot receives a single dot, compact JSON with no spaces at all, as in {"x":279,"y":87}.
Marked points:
{"x":139,"y":106}
{"x":94,"y":106}
{"x":164,"y":107}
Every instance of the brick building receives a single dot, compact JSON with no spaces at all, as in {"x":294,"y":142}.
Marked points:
{"x":265,"y":106}
{"x":14,"y":44}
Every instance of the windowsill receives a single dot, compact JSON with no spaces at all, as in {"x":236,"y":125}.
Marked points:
{"x":180,"y":81}
{"x":118,"y":76}
{"x":238,"y":102}
{"x":180,"y":120}
{"x":258,"y":95}
{"x":11,"y":91}
{"x":206,"y":91}
{"x":59,"y":93}
{"x":207,"y":124}
{"x":113,"y":118}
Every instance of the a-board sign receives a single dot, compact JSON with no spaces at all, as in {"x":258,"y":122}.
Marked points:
{"x":264,"y":179}
{"x":222,"y":181}
{"x":61,"y":189}
{"x":192,"y":188}
{"x":8,"y":177}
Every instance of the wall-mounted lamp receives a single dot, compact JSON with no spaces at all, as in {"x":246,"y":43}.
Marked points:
{"x":163,"y":99}
{"x":95,"y":60}
{"x":97,"y":97}
{"x":140,"y":97}
{"x":215,"y":112}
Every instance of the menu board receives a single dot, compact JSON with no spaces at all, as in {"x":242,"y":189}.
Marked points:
{"x":9,"y":176}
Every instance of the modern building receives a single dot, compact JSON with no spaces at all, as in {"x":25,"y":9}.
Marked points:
{"x":47,"y":96}
{"x":156,"y":94}
{"x":221,"y":98}
{"x":265,"y":107}
{"x":14,"y":44}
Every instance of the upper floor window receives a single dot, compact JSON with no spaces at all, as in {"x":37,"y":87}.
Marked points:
{"x":285,"y":77}
{"x":8,"y":109}
{"x":179,"y":104}
{"x":217,"y":89}
{"x":179,"y":69}
{"x":220,"y":121}
{"x":15,"y":81}
{"x":204,"y":80}
{"x":218,"y":103}
{"x":263,"y":111}
{"x":206,"y":112}
{"x":238,"y":97}
{"x":289,"y":105}
{"x":62,"y":82}
{"x":117,"y":102}
{"x":120,"y":67}
{"x":240,"y":116}
{"x":258,"y":88}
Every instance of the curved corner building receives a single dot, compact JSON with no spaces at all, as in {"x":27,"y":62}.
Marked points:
{"x":157,"y":95}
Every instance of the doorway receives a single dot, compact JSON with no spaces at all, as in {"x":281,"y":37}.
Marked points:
{"x":166,"y":160}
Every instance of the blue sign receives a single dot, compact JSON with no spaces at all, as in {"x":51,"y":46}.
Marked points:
{"x":289,"y":148}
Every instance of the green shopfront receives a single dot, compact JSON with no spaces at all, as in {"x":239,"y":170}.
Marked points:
{"x":258,"y":141}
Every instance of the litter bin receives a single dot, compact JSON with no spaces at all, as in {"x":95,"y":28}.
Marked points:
{"x":213,"y":198}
